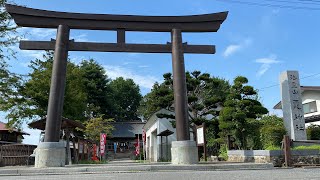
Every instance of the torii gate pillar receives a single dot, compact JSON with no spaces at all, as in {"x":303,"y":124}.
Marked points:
{"x":183,"y":151}
{"x":51,"y":152}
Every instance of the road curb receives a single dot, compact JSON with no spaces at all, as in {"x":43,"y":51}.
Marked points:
{"x":134,"y":168}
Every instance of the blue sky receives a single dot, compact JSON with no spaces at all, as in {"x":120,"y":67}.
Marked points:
{"x":256,"y":42}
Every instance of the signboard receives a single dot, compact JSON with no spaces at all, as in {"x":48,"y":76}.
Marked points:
{"x":200,"y":136}
{"x":103,"y":140}
{"x":201,"y":139}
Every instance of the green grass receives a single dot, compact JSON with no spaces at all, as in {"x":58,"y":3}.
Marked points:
{"x":273,"y":148}
{"x":316,"y":147}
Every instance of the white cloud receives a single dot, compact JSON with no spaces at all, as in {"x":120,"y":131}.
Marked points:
{"x":266,"y":64}
{"x":24,"y":64}
{"x":77,"y":59}
{"x":32,"y":53}
{"x":233,"y":48}
{"x":144,"y":81}
{"x":47,"y":34}
{"x":38,"y":33}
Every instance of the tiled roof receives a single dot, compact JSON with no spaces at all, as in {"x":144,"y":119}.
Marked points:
{"x":66,"y":123}
{"x":127,"y":129}
{"x":4,"y":128}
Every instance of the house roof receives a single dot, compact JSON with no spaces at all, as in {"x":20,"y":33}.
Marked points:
{"x":66,"y":123}
{"x":127,"y":129}
{"x":4,"y":128}
{"x":166,"y":132}
{"x":154,"y":118}
{"x":303,"y":88}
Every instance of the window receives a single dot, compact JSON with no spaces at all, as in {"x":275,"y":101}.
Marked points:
{"x":310,"y":107}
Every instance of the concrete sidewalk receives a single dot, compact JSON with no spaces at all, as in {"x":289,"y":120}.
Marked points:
{"x":129,"y":167}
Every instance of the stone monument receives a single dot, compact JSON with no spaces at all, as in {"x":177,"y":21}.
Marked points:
{"x":293,"y":115}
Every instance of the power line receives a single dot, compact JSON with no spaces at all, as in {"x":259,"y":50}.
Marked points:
{"x":296,"y":2}
{"x":309,"y":0}
{"x":267,"y":87}
{"x":310,"y":76}
{"x":271,"y":5}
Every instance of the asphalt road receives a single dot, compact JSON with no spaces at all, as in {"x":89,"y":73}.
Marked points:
{"x":292,"y":174}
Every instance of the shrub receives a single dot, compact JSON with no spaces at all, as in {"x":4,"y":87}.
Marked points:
{"x":313,"y":132}
{"x":223,"y":152}
{"x":272,"y":131}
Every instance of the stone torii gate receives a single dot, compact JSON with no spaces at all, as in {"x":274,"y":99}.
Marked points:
{"x":51,"y":153}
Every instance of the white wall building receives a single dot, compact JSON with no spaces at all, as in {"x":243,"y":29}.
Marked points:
{"x":159,"y":147}
{"x":310,"y":96}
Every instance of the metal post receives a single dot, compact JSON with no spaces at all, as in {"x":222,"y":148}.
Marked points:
{"x":179,"y":87}
{"x":58,"y":81}
{"x":167,"y":158}
{"x":161,"y":148}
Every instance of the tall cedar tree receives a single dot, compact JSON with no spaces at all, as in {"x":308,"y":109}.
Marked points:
{"x":97,"y":89}
{"x":126,"y":97}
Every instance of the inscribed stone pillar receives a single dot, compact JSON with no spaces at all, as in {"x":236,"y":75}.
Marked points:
{"x":293,"y":115}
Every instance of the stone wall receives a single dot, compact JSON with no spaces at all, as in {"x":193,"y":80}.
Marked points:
{"x":274,"y":156}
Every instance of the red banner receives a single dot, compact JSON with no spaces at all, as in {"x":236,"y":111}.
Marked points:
{"x":103,"y":141}
{"x":137,"y":146}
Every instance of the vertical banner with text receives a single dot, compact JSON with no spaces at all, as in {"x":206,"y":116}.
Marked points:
{"x":103,"y":141}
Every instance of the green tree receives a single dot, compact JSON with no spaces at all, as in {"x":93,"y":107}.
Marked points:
{"x":9,"y":95}
{"x":98,"y":125}
{"x":126,"y":98}
{"x":240,"y":107}
{"x":272,"y":131}
{"x":32,"y":99}
{"x":206,"y":95}
{"x":97,"y":89}
{"x":313,"y":132}
{"x":10,"y":82}
{"x":8,"y":34}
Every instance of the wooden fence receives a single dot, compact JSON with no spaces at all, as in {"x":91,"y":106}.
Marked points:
{"x":16,"y":154}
